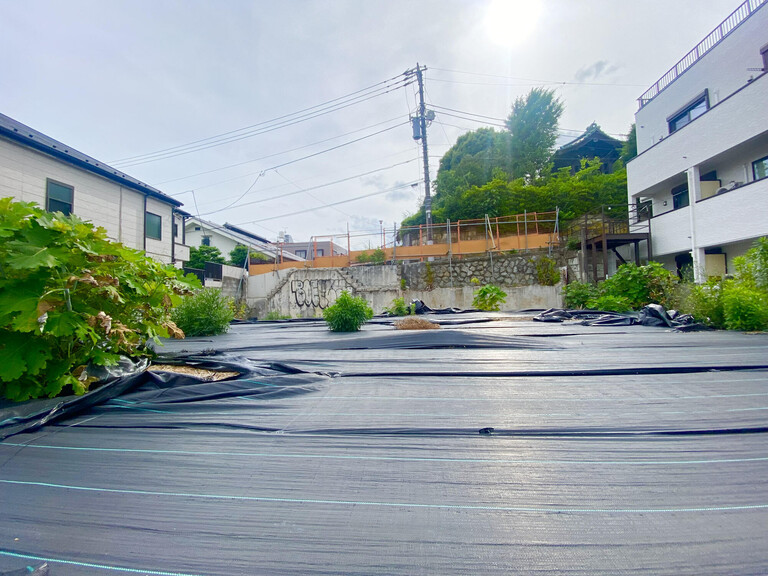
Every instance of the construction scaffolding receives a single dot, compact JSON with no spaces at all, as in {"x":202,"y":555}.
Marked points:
{"x":519,"y":232}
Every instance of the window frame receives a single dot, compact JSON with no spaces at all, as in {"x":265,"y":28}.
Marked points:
{"x":71,"y":203}
{"x":755,"y":163}
{"x":685,"y":112}
{"x":678,"y":193}
{"x":147,"y":226}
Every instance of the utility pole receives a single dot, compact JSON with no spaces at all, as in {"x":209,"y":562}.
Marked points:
{"x":420,"y":133}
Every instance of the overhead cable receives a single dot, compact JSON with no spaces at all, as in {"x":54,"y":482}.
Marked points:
{"x":258,"y":129}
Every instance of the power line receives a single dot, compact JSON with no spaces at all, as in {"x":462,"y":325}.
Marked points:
{"x":567,"y":83}
{"x":274,"y":154}
{"x":316,"y":187}
{"x":332,"y":204}
{"x":258,"y":129}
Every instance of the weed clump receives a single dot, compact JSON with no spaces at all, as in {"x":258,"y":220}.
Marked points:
{"x":347,"y":314}
{"x":205,"y":313}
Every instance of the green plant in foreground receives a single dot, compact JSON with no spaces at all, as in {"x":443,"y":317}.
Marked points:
{"x":489,"y":298}
{"x":70,"y":297}
{"x":347,"y":314}
{"x":398,"y":308}
{"x":205,"y":313}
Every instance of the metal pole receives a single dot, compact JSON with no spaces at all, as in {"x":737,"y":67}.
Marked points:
{"x":425,"y":151}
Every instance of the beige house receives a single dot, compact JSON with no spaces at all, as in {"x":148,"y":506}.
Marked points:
{"x":36,"y":168}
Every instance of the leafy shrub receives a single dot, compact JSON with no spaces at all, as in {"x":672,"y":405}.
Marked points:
{"x":70,"y":297}
{"x":744,"y":307}
{"x":705,"y":303}
{"x":347,"y":314}
{"x":752,"y":268}
{"x":398,"y":308}
{"x":609,"y":303}
{"x":547,"y":273}
{"x":641,"y":285}
{"x":579,"y":294}
{"x":489,"y":298}
{"x":403,"y":284}
{"x":205,"y":313}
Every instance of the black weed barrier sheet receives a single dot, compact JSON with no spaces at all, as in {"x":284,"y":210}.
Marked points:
{"x":494,"y":445}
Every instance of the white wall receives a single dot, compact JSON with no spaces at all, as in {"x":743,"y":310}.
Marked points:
{"x":116,"y":208}
{"x":722,"y":70}
{"x":740,"y":118}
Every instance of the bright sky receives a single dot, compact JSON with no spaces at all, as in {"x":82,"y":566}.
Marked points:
{"x":283,"y":83}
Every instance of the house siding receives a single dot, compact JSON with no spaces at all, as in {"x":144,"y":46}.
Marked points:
{"x":116,"y":208}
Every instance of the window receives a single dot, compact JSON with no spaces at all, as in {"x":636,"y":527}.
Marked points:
{"x":205,"y":241}
{"x":760,"y":168}
{"x":680,"y":197}
{"x":301,"y":253}
{"x":59,"y":197}
{"x":320,"y":252}
{"x":153,"y":226}
{"x":689,"y":113}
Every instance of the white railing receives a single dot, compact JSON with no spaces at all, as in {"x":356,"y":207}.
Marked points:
{"x":715,"y":37}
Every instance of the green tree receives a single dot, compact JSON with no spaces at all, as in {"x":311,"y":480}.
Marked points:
{"x":533,"y":129}
{"x":629,"y":149}
{"x":202,"y":254}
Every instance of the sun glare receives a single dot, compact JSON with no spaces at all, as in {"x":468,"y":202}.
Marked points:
{"x":512,"y":22}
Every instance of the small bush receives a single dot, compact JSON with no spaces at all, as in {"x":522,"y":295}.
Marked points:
{"x":205,"y":313}
{"x":429,"y":276}
{"x":744,"y":308}
{"x":578,"y":294}
{"x":403,"y":284}
{"x":489,"y":298}
{"x":609,"y":303}
{"x":399,"y":308}
{"x":347,"y":314}
{"x":547,"y":272}
{"x":641,"y":285}
{"x":705,"y":303}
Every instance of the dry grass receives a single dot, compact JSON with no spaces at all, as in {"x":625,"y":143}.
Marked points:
{"x":413,"y":323}
{"x":201,"y":373}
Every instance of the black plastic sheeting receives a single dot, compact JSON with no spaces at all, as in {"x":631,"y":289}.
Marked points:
{"x":496,"y":446}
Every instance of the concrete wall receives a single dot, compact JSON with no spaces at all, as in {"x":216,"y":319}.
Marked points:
{"x":233,"y":283}
{"x":116,"y":208}
{"x":307,"y":292}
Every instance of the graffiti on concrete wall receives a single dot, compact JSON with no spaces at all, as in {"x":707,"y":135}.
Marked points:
{"x":317,"y":293}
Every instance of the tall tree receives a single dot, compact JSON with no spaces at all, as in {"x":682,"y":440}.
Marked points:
{"x":533,"y":129}
{"x":629,"y":149}
{"x":202,"y":254}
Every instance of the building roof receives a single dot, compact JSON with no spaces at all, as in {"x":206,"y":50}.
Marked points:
{"x":31,"y":138}
{"x":242,"y":237}
{"x":593,"y":142}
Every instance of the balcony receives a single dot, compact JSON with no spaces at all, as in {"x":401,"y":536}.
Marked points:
{"x":713,"y":39}
{"x":722,"y":130}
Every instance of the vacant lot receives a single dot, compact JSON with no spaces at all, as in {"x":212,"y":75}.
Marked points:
{"x":613,"y":450}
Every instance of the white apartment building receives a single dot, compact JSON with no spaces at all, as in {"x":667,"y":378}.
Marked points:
{"x":702,"y":142}
{"x":37,"y":168}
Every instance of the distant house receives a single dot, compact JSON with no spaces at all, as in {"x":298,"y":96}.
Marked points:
{"x":592,"y":143}
{"x":314,"y":249}
{"x":226,"y":237}
{"x":37,"y":168}
{"x":702,"y":141}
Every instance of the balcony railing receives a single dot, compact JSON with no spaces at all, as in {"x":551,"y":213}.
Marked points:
{"x":713,"y":39}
